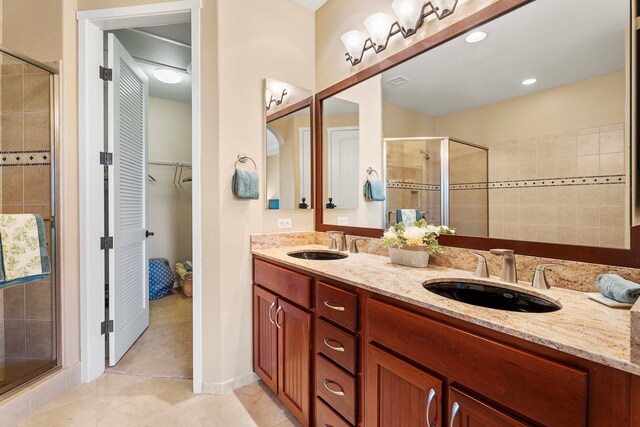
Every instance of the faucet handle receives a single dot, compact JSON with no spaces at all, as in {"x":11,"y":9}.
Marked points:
{"x":353,"y":245}
{"x":540,"y":277}
{"x":481,"y":269}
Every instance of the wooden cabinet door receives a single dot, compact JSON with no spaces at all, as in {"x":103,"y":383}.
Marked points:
{"x":294,"y":357}
{"x":265,"y":337}
{"x":398,"y":393}
{"x":467,"y":411}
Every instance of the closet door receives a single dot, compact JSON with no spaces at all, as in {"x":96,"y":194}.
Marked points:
{"x":127,"y":136}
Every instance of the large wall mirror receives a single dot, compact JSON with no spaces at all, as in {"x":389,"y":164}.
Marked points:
{"x":289,"y":148}
{"x":518,"y":128}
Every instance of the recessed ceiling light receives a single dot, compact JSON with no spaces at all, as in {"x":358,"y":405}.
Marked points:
{"x":475,"y":37}
{"x":167,"y":76}
{"x":529,"y":82}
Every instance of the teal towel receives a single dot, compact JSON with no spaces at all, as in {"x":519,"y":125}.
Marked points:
{"x":44,"y":259}
{"x":373,"y":190}
{"x":245,"y":184}
{"x":619,"y":289}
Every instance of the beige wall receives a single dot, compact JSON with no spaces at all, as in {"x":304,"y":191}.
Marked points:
{"x":400,"y":122}
{"x":169,"y":204}
{"x":276,"y":39}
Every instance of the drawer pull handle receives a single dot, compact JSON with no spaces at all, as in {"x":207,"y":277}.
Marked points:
{"x":273,"y":304}
{"x":432,"y":395}
{"x":327,"y":303}
{"x":278,"y":325}
{"x":326,"y":383}
{"x":455,"y":408}
{"x":339,"y":347}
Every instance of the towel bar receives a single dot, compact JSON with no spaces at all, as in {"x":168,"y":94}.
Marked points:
{"x":371,"y":170}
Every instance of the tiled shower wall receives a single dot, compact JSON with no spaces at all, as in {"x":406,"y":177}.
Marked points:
{"x":564,"y":188}
{"x":25,"y":171}
{"x":468,"y":193}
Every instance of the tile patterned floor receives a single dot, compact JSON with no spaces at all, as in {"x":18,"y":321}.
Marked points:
{"x":124,"y":400}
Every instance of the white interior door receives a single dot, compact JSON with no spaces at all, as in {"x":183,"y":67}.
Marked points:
{"x":344,"y":161}
{"x":127,"y":136}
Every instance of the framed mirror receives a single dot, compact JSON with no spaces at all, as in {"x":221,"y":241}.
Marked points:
{"x":289,"y":147}
{"x":510,"y":126}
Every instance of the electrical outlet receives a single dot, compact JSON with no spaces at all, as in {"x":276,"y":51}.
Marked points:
{"x":284,"y":222}
{"x":343,"y":220}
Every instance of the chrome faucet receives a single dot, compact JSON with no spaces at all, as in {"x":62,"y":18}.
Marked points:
{"x":338,"y":240}
{"x":481,"y":269}
{"x":540,"y":277}
{"x":353,"y":245}
{"x":509,"y":271}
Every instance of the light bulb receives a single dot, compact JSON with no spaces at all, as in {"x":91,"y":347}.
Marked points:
{"x":354,"y":42}
{"x":379,"y":25}
{"x":445,"y":7}
{"x":408,"y":13}
{"x":167,"y":76}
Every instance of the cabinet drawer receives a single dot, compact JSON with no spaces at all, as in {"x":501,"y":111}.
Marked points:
{"x":336,"y":387}
{"x":293,"y":286}
{"x":337,"y":305}
{"x":337,"y":345}
{"x":326,"y":417}
{"x":546,"y":391}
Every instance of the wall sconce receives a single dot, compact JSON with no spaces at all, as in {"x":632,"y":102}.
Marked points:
{"x":273,"y":99}
{"x":381,"y":27}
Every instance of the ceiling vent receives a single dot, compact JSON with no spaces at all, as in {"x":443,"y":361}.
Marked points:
{"x":398,"y":80}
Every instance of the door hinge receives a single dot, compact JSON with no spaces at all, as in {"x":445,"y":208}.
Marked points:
{"x":106,"y":326}
{"x":106,"y":242}
{"x":106,"y":74}
{"x":106,"y":159}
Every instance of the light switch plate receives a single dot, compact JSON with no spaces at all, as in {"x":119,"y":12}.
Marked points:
{"x":284,"y":222}
{"x":343,"y":220}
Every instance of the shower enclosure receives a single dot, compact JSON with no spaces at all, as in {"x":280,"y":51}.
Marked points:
{"x":444,"y":179}
{"x":28,"y":138}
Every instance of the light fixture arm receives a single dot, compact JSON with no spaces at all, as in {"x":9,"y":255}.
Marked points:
{"x":277,"y":101}
{"x":428,"y":9}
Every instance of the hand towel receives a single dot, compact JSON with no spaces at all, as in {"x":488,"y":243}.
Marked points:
{"x":245,"y":184}
{"x":24,"y":253}
{"x":373,"y":190}
{"x":408,"y":216}
{"x":619,"y":289}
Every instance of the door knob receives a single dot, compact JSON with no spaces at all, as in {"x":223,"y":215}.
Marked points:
{"x":149,"y":234}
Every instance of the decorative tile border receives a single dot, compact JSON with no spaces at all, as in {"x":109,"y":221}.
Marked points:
{"x":25,"y":158}
{"x":413,"y":186}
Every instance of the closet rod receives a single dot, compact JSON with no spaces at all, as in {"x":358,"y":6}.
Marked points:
{"x":166,"y":163}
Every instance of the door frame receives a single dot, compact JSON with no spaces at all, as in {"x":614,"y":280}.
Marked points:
{"x":91,"y":25}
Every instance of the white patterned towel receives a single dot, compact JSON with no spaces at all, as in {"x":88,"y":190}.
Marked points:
{"x":20,"y":246}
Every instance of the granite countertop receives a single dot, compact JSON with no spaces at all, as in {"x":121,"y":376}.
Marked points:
{"x":583,"y":327}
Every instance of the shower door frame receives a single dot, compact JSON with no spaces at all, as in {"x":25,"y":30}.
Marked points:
{"x":54,"y":112}
{"x":445,"y":142}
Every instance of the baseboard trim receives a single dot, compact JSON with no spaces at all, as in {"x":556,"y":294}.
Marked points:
{"x":226,"y":387}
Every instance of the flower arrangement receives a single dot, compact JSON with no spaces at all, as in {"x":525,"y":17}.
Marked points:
{"x":419,"y":234}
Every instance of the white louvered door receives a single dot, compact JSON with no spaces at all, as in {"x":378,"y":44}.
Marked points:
{"x":127,"y":136}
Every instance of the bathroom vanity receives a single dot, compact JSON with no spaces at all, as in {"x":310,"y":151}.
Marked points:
{"x":360,"y":342}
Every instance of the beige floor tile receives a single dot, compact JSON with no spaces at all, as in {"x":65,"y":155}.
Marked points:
{"x":263,"y":406}
{"x":290,"y":422}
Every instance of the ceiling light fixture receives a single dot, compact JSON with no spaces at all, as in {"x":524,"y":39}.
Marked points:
{"x":381,"y":27}
{"x":475,"y":37}
{"x":529,"y":82}
{"x":167,"y":76}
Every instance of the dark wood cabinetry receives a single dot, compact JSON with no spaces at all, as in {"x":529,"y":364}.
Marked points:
{"x":338,"y":356}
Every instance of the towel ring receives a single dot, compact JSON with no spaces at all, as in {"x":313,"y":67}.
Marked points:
{"x":242,"y":158}
{"x":371,"y":170}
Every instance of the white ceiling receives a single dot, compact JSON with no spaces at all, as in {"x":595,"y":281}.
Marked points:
{"x":334,"y":106}
{"x":557,"y":42}
{"x":312,"y":4}
{"x":167,"y":46}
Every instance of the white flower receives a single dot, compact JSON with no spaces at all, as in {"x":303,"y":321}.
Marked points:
{"x":414,"y":236}
{"x":390,"y":234}
{"x":433,"y":229}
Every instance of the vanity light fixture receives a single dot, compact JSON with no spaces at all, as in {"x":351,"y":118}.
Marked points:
{"x":167,"y":76}
{"x":273,"y":99}
{"x":529,"y":82}
{"x":411,"y":14}
{"x":475,"y":37}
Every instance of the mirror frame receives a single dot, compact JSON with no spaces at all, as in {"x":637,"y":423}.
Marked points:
{"x":596,"y":255}
{"x":307,"y":102}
